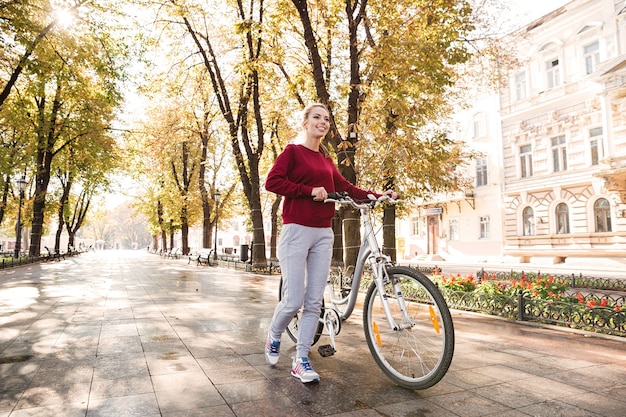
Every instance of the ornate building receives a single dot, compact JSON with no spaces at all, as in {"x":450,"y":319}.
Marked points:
{"x":551,"y":186}
{"x":564,"y":136}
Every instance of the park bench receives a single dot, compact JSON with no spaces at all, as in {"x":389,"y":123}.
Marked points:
{"x":174,"y":253}
{"x":203,"y":257}
{"x":54,"y":255}
{"x":71,"y":251}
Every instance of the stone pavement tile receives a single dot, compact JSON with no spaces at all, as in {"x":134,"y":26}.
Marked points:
{"x":221,"y":362}
{"x":531,"y":366}
{"x":557,"y":408}
{"x":240,"y":392}
{"x":118,"y":329}
{"x":112,"y":367}
{"x":469,"y":404}
{"x":501,"y":373}
{"x":65,"y":410}
{"x":120,"y":387}
{"x":54,"y":372}
{"x":171,"y":362}
{"x":468,"y":378}
{"x":207,"y":346}
{"x":17,"y":372}
{"x":600,"y":404}
{"x":270,"y":406}
{"x":229,"y":375}
{"x":141,"y":405}
{"x":320,"y":398}
{"x":188,"y":396}
{"x":510,"y":395}
{"x":585,"y":378}
{"x":374,"y":393}
{"x":119,"y":345}
{"x":215,"y":411}
{"x":547,"y":387}
{"x":564,"y":363}
{"x":411,"y":408}
{"x":54,"y":394}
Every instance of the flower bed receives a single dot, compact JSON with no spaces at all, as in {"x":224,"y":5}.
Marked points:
{"x":537,"y":297}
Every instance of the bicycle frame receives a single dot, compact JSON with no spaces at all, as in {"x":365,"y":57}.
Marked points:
{"x":365,"y":255}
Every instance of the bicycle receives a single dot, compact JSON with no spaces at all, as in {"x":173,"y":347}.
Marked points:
{"x":407,"y":323}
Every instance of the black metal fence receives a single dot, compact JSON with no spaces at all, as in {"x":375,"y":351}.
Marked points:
{"x":590,"y":303}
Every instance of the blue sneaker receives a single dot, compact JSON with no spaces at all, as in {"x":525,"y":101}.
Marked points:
{"x":272,"y":350}
{"x":301,"y":368}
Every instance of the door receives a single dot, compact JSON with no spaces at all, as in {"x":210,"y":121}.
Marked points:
{"x":433,"y":234}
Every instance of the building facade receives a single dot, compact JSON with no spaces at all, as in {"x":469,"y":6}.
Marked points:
{"x":564,"y":136}
{"x":551,"y":184}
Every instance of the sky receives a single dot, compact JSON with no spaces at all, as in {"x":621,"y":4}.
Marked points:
{"x":530,"y":10}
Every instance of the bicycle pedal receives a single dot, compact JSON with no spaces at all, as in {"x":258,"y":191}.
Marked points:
{"x":326,"y":350}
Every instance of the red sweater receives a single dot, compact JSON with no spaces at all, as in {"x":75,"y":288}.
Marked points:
{"x":295,"y":173}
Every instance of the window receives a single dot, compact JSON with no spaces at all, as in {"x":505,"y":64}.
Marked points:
{"x":528,"y":222}
{"x":415,"y":226}
{"x":454,"y":229}
{"x":592,"y":57}
{"x":526,"y":161}
{"x":559,"y":154}
{"x":479,"y":125}
{"x":484,"y":227}
{"x":481,"y":172}
{"x":553,"y":76}
{"x":562,"y":219}
{"x":520,"y":86}
{"x":602,"y":214}
{"x":595,"y":145}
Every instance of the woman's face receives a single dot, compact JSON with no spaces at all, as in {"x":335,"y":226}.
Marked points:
{"x":318,"y":122}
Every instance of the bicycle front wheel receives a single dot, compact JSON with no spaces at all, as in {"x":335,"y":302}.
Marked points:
{"x":417,"y":353}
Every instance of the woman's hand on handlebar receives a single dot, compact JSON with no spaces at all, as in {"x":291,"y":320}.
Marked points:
{"x":319,"y":194}
{"x":392,"y":194}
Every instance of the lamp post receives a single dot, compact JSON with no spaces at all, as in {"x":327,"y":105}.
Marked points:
{"x":216,"y":197}
{"x":21,"y":185}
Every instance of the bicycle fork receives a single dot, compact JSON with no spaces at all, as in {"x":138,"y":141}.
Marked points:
{"x":381,"y":277}
{"x":332,"y":324}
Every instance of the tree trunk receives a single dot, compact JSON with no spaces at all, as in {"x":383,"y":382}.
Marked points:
{"x":338,"y":242}
{"x":389,"y":231}
{"x":274,"y":232}
{"x":184,"y":231}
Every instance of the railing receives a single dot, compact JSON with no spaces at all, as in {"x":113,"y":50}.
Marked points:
{"x":590,"y":303}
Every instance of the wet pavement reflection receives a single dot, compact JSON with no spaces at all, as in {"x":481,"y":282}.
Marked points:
{"x":123,"y":333}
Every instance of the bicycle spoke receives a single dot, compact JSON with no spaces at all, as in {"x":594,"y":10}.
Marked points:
{"x":416,"y":355}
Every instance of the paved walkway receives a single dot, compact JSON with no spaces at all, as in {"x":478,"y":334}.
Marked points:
{"x":120,"y":333}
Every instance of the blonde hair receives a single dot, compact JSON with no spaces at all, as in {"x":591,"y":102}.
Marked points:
{"x":307,"y":112}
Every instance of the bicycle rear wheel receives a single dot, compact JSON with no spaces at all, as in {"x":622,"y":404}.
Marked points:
{"x":417,"y":354}
{"x":292,"y":328}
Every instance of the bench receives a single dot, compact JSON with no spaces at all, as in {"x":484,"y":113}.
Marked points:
{"x":174,"y":253}
{"x":71,"y":251}
{"x":54,"y":255}
{"x":203,"y":257}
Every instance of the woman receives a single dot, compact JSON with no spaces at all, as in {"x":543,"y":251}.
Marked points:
{"x":304,"y":174}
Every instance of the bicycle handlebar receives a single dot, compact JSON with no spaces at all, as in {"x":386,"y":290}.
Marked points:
{"x":344,"y":199}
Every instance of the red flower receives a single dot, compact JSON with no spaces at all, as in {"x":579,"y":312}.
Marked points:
{"x":603,"y":303}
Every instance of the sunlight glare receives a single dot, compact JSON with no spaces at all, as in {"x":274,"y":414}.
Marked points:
{"x":64,"y":17}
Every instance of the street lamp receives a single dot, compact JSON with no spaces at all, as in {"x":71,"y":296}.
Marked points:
{"x":21,"y":185}
{"x":216,"y":197}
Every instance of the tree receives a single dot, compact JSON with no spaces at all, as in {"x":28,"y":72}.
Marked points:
{"x":244,"y":120}
{"x":405,"y":53}
{"x":22,"y":22}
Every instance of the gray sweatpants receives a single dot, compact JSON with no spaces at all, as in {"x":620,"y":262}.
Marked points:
{"x":304,"y":254}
